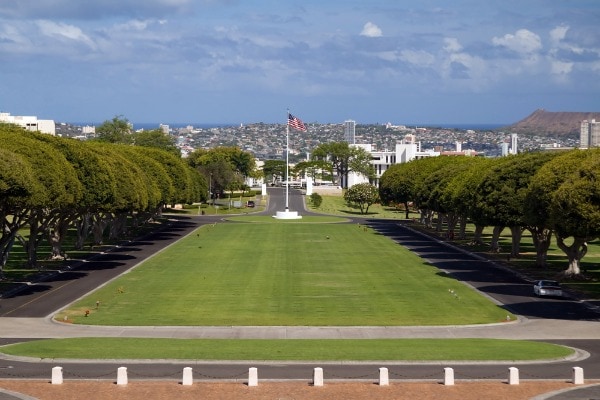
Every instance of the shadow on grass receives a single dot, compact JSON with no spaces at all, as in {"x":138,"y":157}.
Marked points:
{"x":358,"y":213}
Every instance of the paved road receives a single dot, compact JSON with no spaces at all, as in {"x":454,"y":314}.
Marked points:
{"x":572,"y":323}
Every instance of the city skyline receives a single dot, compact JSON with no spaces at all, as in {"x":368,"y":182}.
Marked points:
{"x":228,"y":62}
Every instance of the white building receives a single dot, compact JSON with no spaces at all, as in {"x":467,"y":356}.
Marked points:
{"x":350,"y":131}
{"x":30,"y":123}
{"x":407,"y":150}
{"x":589,"y":134}
{"x":513,"y":143}
{"x":88,"y":130}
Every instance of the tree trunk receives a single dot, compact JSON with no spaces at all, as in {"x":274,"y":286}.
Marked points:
{"x":477,"y":234}
{"x":406,"y":210}
{"x":427,"y":218}
{"x":56,"y":236}
{"x":118,"y":227}
{"x":30,"y":245}
{"x":82,"y":226}
{"x":575,"y":252}
{"x":516,"y":233}
{"x":10,"y":229}
{"x":451,"y":219}
{"x":495,"y":245}
{"x":99,"y":226}
{"x":439,"y":226}
{"x":541,"y":240}
{"x":5,"y":248}
{"x":462,"y":233}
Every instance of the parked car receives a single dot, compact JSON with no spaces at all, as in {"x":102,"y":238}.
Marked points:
{"x":250,"y":203}
{"x":547,"y":288}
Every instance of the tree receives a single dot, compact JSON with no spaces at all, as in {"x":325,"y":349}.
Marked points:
{"x":220,"y":176}
{"x":117,"y":130}
{"x":224,"y":167}
{"x":345,"y":159}
{"x":363,"y":195}
{"x":58,"y":189}
{"x":501,"y":194}
{"x":575,"y":209}
{"x":309,"y":168}
{"x":537,"y":213}
{"x":437,"y":188}
{"x":157,"y":139}
{"x":274,"y":169}
{"x":98,"y":190}
{"x":18,"y":181}
{"x":460,"y":194}
{"x":396,"y":185}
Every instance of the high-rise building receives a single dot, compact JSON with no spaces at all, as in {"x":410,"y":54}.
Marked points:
{"x":589,"y":134}
{"x":349,"y":131}
{"x":513,"y":143}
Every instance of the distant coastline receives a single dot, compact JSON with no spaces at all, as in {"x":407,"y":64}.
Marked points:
{"x":465,"y":126}
{"x":176,"y":125}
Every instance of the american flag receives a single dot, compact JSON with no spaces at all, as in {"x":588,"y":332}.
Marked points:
{"x":296,"y":123}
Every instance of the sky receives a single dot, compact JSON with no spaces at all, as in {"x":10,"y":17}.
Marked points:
{"x":326,"y":61}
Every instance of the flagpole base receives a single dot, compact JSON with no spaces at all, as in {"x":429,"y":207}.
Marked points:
{"x":287,"y":214}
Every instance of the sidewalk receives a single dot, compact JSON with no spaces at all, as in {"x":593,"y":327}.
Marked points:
{"x":524,"y":329}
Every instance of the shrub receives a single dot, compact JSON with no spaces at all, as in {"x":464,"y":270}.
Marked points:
{"x":316,"y":200}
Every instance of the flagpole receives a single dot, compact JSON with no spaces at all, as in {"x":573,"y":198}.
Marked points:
{"x":287,"y":159}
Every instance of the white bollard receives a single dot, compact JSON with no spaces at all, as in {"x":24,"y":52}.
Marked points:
{"x":188,"y":377}
{"x":384,"y":379}
{"x":318,"y":377}
{"x":578,"y":375}
{"x":122,"y":376}
{"x":448,"y":376}
{"x":253,"y":377}
{"x":513,"y":376}
{"x":57,"y":376}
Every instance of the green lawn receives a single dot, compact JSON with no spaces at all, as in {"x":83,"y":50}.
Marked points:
{"x":289,"y":350}
{"x":278,"y":273}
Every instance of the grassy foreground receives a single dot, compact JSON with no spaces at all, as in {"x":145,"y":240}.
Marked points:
{"x":285,"y":274}
{"x":289,"y":350}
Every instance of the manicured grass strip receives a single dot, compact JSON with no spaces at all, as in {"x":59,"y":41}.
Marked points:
{"x":307,"y":219}
{"x":289,"y":350}
{"x":291,"y":274}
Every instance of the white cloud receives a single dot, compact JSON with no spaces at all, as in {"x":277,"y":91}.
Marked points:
{"x":10,"y":34}
{"x":522,"y":42}
{"x":133,"y":25}
{"x":559,"y":33}
{"x":452,"y":45}
{"x":421,"y":58}
{"x":561,"y":67}
{"x":64,"y":31}
{"x":371,"y":30}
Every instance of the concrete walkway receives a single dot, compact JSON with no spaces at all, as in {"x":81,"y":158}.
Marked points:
{"x":531,"y":329}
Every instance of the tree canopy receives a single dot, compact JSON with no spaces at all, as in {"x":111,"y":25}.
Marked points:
{"x":344,"y":159}
{"x":48,"y":184}
{"x":542,"y":192}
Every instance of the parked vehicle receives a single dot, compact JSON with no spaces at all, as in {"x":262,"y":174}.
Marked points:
{"x":547,"y":288}
{"x":250,"y":203}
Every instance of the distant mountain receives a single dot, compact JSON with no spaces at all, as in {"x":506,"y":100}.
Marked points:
{"x":542,"y":122}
